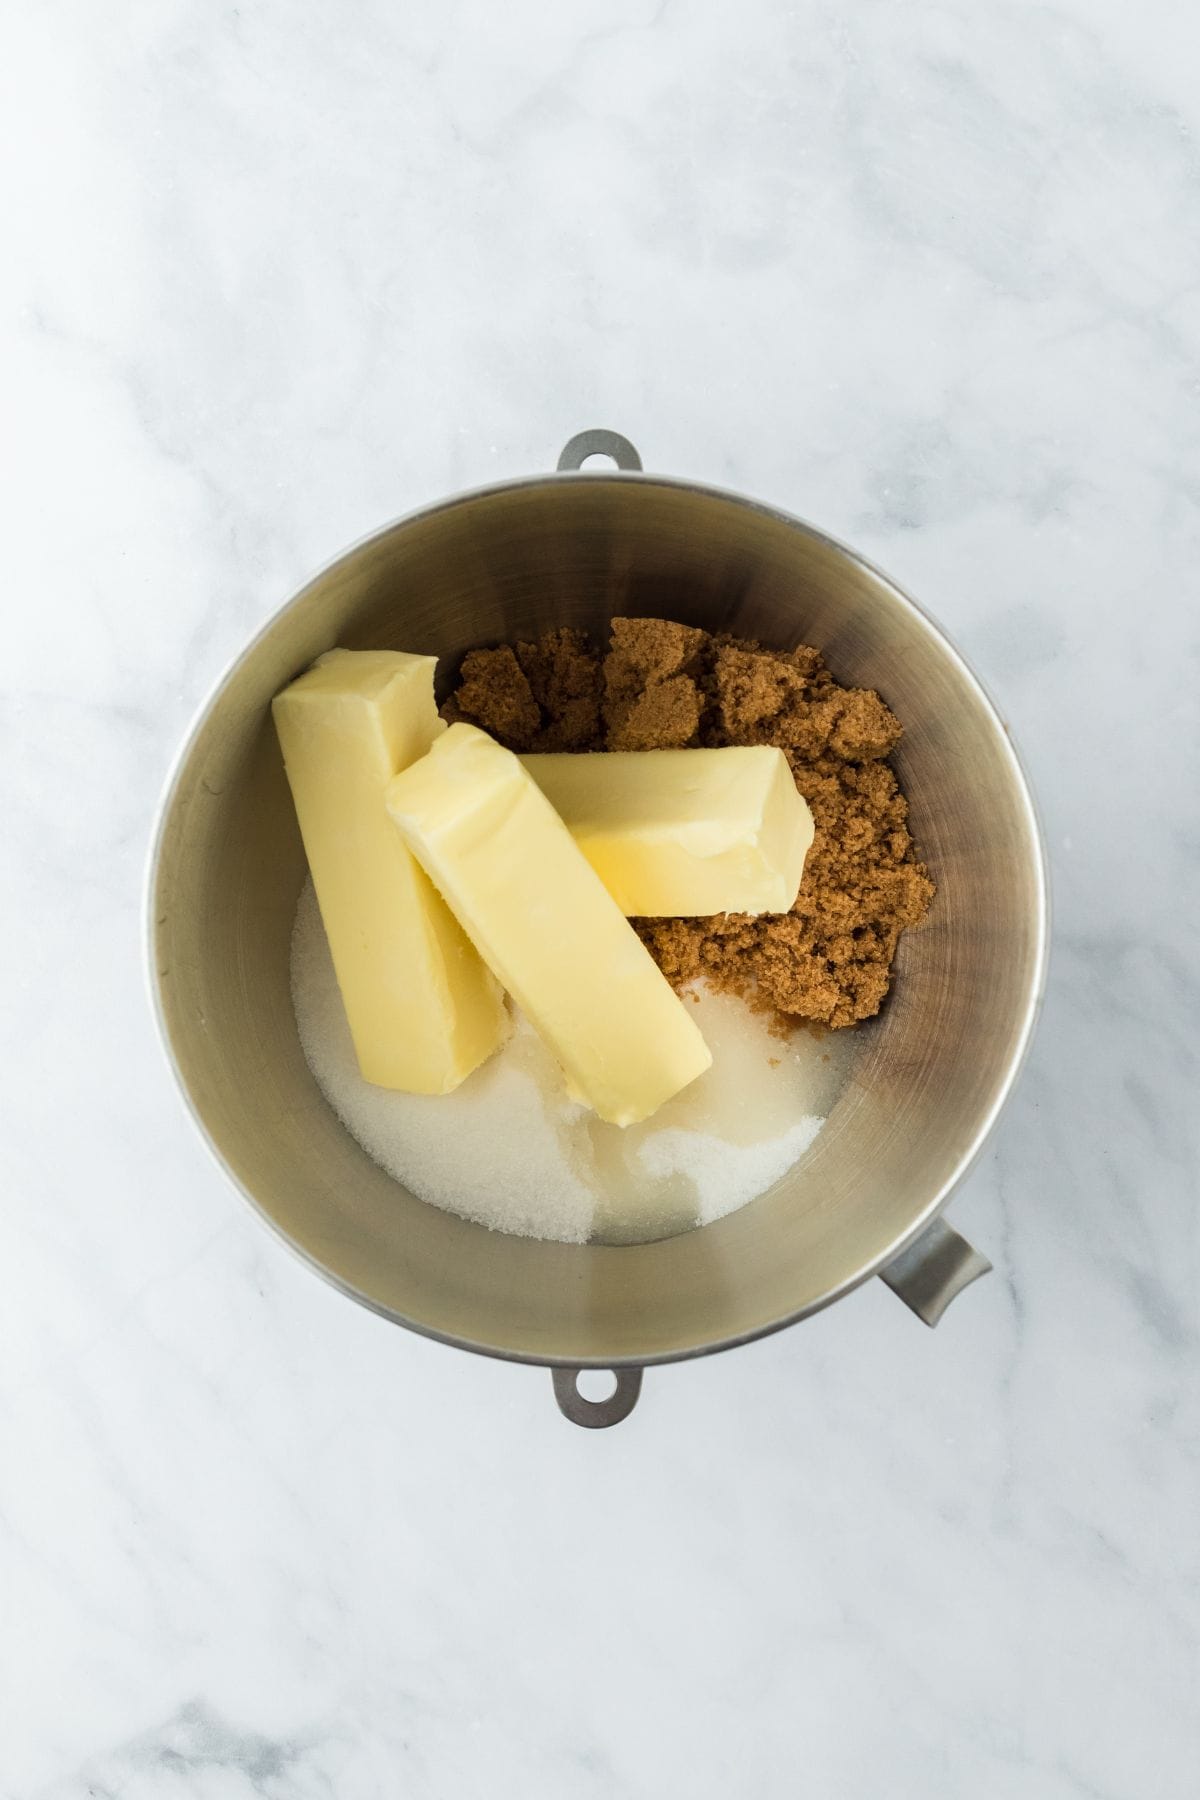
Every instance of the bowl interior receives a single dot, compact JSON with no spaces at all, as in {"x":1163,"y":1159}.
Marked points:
{"x":928,"y":1075}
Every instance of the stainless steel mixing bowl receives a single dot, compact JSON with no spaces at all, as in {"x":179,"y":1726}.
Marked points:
{"x":930,"y":1074}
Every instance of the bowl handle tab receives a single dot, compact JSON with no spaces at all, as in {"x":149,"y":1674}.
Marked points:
{"x":596,"y":1414}
{"x":935,"y":1267}
{"x":599,"y":443}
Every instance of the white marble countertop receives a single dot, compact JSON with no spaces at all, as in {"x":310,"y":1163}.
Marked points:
{"x":928,"y":277}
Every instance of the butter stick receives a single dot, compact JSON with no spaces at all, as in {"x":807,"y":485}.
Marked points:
{"x":684,"y":833}
{"x":423,"y":1009}
{"x":545,"y":924}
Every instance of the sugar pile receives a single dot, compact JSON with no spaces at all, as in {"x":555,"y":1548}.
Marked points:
{"x":509,"y":1150}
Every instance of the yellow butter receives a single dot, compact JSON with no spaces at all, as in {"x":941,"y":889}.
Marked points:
{"x":544,"y":923}
{"x":684,"y":833}
{"x":423,"y":1009}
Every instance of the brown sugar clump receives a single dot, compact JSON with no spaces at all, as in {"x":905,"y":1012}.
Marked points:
{"x":652,"y":699}
{"x":646,"y":650}
{"x":753,"y":690}
{"x":864,"y":728}
{"x":494,"y":693}
{"x":566,"y":680}
{"x":543,"y":696}
{"x":663,"y":685}
{"x":665,"y":717}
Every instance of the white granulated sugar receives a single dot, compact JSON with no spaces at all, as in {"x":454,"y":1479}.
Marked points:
{"x":509,"y":1150}
{"x":726,"y":1175}
{"x":490,"y":1151}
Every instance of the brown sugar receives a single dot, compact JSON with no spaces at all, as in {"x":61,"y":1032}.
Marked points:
{"x":665,"y":716}
{"x":542,"y":696}
{"x":652,"y":698}
{"x":663,"y":685}
{"x":493,"y":691}
{"x":567,"y":682}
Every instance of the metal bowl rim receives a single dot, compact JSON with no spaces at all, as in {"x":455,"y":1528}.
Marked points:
{"x":1034,"y":996}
